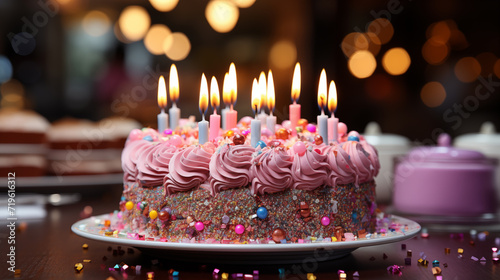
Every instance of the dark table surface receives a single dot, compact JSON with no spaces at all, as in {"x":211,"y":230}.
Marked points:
{"x":46,"y":248}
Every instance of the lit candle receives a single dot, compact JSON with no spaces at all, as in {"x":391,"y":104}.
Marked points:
{"x":203,"y":124}
{"x":333,"y":122}
{"x":271,"y":120}
{"x":232,"y":115}
{"x":162,"y":103}
{"x":263,"y":96}
{"x":173,"y":85}
{"x":322,"y":119}
{"x":255,"y":125}
{"x":295,"y":108}
{"x":226,"y":97}
{"x":214,"y":101}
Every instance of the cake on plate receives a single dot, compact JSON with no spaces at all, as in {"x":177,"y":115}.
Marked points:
{"x":291,"y":189}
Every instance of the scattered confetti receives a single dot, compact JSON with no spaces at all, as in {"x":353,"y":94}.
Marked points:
{"x":86,"y":261}
{"x":85,"y":246}
{"x":384,"y":256}
{"x":436,"y":270}
{"x":447,"y":251}
{"x":151,"y":275}
{"x":216,"y":271}
{"x":225,"y":275}
{"x":474,"y":258}
{"x":460,"y":250}
{"x":355,"y":274}
{"x":394,"y":269}
{"x":78,"y":267}
{"x":408,"y":253}
{"x":435,"y":263}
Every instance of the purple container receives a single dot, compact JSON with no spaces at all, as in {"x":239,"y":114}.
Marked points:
{"x":445,"y":181}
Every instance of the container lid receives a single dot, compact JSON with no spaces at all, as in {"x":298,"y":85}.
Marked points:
{"x":373,"y":135}
{"x":445,"y":154}
{"x":486,"y":138}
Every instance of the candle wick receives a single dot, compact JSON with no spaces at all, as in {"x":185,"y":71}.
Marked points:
{"x":231,"y":106}
{"x":215,"y":110}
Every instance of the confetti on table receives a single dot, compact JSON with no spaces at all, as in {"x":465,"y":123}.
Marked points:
{"x":460,"y":250}
{"x":85,"y":246}
{"x":78,"y":267}
{"x":436,"y":270}
{"x":447,"y":251}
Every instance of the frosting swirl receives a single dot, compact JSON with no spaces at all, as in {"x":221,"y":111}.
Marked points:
{"x":153,"y":164}
{"x":309,"y":170}
{"x":373,"y":157}
{"x":130,"y":157}
{"x":188,"y":168}
{"x":341,"y":168}
{"x":229,"y":167}
{"x":270,"y":171}
{"x":359,"y":158}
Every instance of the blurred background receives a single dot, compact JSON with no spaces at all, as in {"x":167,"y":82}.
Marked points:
{"x":416,"y":67}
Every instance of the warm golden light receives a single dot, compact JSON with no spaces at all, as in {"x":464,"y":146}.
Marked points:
{"x":214,"y":93}
{"x":396,"y":61}
{"x":119,"y":34}
{"x":348,"y":43}
{"x":296,"y":83}
{"x":222,"y":15}
{"x":177,"y":46}
{"x":270,"y":92}
{"x":162,"y":93}
{"x":467,"y":69}
{"x":374,"y":43}
{"x":255,"y":96}
{"x":332,"y":97}
{"x":96,"y":23}
{"x":233,"y":84}
{"x":173,"y":84}
{"x":433,"y":94}
{"x":439,"y":31}
{"x":244,"y":3}
{"x":435,"y":52}
{"x":134,"y":22}
{"x":283,"y":54}
{"x":362,"y":64}
{"x":262,"y":89}
{"x":322,"y":90}
{"x":226,"y":93}
{"x":383,"y":28}
{"x":164,"y":5}
{"x":155,"y":37}
{"x":203,"y":95}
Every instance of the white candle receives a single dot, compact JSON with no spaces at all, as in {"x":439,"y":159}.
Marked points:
{"x":322,"y":119}
{"x":255,"y":132}
{"x":203,"y":124}
{"x":262,"y":117}
{"x":323,"y":127}
{"x":173,"y":84}
{"x":175,"y":115}
{"x":271,"y":120}
{"x":271,"y":123}
{"x":162,"y":103}
{"x":202,"y":131}
{"x":223,"y":114}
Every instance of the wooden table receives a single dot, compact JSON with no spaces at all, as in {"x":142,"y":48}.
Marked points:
{"x":47,"y":249}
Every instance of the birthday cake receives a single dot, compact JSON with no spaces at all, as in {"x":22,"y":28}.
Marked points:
{"x":287,"y":189}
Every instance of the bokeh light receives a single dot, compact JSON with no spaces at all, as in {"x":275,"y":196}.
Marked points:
{"x":396,"y":61}
{"x":164,"y":5}
{"x":5,"y":69}
{"x":375,"y":43}
{"x":12,"y":93}
{"x":383,"y":28}
{"x":177,"y":46}
{"x":244,"y":3}
{"x":439,"y":31}
{"x":155,"y":38}
{"x":435,"y":52}
{"x":134,"y":22}
{"x":433,"y":94}
{"x":362,"y":64}
{"x":222,"y":15}
{"x":283,"y":54}
{"x":96,"y":23}
{"x":467,"y":69}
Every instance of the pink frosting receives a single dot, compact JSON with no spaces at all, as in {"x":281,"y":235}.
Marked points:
{"x":270,"y":171}
{"x":153,"y":164}
{"x":188,"y":168}
{"x":229,"y":167}
{"x":341,"y":168}
{"x":373,"y":157}
{"x":360,"y":160}
{"x":309,"y":170}
{"x":130,"y":157}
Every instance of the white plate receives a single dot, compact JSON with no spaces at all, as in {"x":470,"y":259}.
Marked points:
{"x":241,"y":253}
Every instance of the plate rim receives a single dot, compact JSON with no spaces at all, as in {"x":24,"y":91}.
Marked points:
{"x":244,"y":248}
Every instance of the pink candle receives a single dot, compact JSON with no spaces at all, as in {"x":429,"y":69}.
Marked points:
{"x":295,"y":108}
{"x":232,"y":115}
{"x":214,"y":118}
{"x":333,"y":122}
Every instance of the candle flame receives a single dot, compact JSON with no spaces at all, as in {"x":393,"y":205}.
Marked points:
{"x":270,"y":92}
{"x":322,"y":90}
{"x":332,"y":97}
{"x":214,"y":94}
{"x":296,"y":83}
{"x":262,"y":89}
{"x":162,"y":93}
{"x":233,"y":85}
{"x":173,"y":84}
{"x":226,"y":93}
{"x":255,"y":96}
{"x":203,"y":95}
